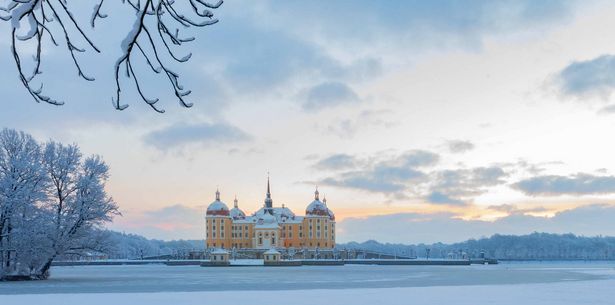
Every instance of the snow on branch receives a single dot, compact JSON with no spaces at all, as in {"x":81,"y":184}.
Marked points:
{"x":154,"y":35}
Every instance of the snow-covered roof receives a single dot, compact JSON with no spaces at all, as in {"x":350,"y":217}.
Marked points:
{"x":265,"y":220}
{"x":271,"y":251}
{"x":280,"y":213}
{"x":219,"y":251}
{"x":296,"y":219}
{"x":316,"y":207}
{"x":331,"y":215}
{"x":246,"y":220}
{"x":236,"y":213}
{"x":217,"y":208}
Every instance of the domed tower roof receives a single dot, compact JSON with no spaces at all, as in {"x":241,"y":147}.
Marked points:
{"x":235,"y":212}
{"x":217,"y":208}
{"x":316,"y":207}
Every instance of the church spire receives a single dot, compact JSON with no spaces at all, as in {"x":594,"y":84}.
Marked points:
{"x":324,"y":199}
{"x":217,"y":194}
{"x":235,"y":202}
{"x":316,"y":194}
{"x":268,"y":200}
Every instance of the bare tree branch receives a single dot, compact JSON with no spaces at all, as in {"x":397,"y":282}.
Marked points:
{"x":161,"y":16}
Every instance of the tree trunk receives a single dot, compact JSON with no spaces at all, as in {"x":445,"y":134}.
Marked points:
{"x":43,"y":272}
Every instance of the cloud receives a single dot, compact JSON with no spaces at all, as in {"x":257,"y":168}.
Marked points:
{"x":381,"y":178}
{"x":452,"y":186}
{"x":329,"y":94}
{"x":441,"y":198}
{"x":252,"y":56}
{"x":367,"y":119}
{"x":579,"y":184}
{"x":447,"y":227}
{"x":391,"y":175}
{"x":418,"y":158}
{"x":610,"y":109}
{"x":337,"y":161}
{"x":459,"y":146}
{"x":417,"y":24}
{"x":595,"y":77}
{"x":405,"y":175}
{"x":182,"y":134}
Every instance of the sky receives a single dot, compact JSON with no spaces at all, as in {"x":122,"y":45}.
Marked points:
{"x":420,"y":121}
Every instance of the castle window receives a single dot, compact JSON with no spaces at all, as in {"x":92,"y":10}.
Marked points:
{"x":221,"y":234}
{"x":260,"y":240}
{"x":300,"y":234}
{"x":273,"y":240}
{"x":246,"y":228}
{"x":213,"y":234}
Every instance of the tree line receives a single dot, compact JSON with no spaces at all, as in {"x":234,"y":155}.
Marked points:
{"x":535,"y":246}
{"x":52,"y":202}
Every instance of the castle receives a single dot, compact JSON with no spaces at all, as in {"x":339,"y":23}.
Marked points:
{"x":269,"y":227}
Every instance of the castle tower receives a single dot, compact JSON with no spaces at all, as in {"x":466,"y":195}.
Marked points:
{"x":268,"y":200}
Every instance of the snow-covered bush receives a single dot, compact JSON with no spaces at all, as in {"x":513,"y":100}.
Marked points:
{"x":52,"y":200}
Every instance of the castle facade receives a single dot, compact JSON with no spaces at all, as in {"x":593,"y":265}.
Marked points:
{"x":269,"y":227}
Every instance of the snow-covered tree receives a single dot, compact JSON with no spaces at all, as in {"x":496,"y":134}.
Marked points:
{"x":22,"y":186}
{"x":52,"y":201}
{"x":154,"y":33}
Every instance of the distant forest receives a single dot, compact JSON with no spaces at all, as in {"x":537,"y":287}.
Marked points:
{"x":535,"y":246}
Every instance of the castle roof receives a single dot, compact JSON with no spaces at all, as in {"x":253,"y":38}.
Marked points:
{"x":217,"y":207}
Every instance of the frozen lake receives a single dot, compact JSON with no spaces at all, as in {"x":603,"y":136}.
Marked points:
{"x":532,"y":282}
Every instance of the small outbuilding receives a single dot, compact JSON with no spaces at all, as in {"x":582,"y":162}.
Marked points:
{"x":219,"y":256}
{"x":272,"y":255}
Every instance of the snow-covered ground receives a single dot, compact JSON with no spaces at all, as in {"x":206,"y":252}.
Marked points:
{"x":531,"y":283}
